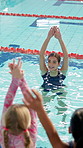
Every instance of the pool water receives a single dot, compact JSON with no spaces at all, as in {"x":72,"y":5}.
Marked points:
{"x":25,"y":33}
{"x":58,"y":109}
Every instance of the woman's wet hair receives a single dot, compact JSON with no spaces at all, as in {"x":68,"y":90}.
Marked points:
{"x":80,"y":143}
{"x":54,"y":54}
{"x":76,"y":125}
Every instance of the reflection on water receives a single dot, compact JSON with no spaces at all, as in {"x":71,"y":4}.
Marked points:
{"x":5,"y":56}
{"x":61,"y":106}
{"x":58,"y":107}
{"x":9,"y":3}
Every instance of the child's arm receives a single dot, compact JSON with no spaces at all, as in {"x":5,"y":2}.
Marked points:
{"x":43,"y":67}
{"x":10,"y":94}
{"x":37,"y":105}
{"x":16,"y":75}
{"x":33,"y":128}
{"x":63,"y":47}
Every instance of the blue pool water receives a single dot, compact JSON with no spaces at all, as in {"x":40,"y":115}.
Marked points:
{"x":59,"y":109}
{"x":26,"y":33}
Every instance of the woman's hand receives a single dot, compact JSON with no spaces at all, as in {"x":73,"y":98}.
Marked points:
{"x":57,"y":33}
{"x":51,"y":32}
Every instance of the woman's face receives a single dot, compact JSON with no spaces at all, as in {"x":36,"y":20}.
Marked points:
{"x":53,"y":63}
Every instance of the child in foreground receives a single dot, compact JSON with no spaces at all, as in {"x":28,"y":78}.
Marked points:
{"x":18,"y":128}
{"x":76,"y":123}
{"x":52,"y":76}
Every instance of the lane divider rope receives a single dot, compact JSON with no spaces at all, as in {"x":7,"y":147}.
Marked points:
{"x":36,"y":52}
{"x":42,"y":16}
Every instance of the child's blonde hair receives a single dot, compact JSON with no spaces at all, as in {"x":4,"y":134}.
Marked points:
{"x":17,"y":120}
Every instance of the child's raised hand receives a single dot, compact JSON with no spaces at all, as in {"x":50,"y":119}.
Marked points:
{"x":33,"y":101}
{"x":11,"y":65}
{"x":15,"y":69}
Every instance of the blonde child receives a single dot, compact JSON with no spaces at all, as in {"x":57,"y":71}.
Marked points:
{"x":18,"y":127}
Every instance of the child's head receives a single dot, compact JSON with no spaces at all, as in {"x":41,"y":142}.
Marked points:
{"x":53,"y":61}
{"x":17,"y":120}
{"x":76,"y":126}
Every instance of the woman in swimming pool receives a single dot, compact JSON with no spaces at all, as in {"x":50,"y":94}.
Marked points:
{"x":52,"y":76}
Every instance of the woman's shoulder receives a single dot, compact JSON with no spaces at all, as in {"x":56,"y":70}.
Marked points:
{"x":44,"y":72}
{"x":64,"y":72}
